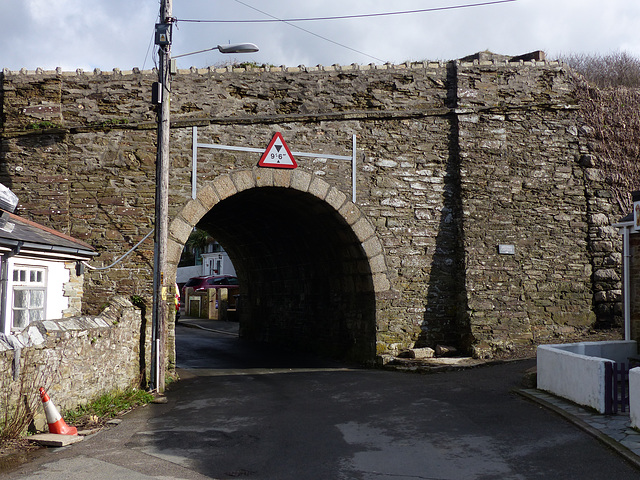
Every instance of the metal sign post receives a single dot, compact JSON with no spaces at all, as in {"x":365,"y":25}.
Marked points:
{"x":196,"y":145}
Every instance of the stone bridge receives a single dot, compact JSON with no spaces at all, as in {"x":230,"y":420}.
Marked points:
{"x":479,"y":220}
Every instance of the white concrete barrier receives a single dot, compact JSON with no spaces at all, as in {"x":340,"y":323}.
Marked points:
{"x":634,"y":397}
{"x":575,"y":371}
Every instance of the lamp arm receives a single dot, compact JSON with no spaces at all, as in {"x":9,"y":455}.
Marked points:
{"x":193,"y":53}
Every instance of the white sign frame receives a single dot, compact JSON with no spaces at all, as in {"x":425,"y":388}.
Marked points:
{"x":196,"y":145}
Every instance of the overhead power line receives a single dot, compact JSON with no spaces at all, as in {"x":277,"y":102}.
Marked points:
{"x":346,"y":17}
{"x":291,"y":21}
{"x":309,"y":32}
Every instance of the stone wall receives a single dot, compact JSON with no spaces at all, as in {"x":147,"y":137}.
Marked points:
{"x":634,"y":286}
{"x":73,"y":290}
{"x":75,"y":359}
{"x":453,"y":159}
{"x":523,"y":186}
{"x":90,"y":164}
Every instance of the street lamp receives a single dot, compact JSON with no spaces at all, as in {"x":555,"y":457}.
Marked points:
{"x":159,"y":316}
{"x":231,"y":48}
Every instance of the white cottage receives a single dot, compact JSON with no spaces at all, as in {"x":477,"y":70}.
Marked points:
{"x":41,"y":273}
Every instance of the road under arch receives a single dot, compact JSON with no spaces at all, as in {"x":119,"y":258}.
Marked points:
{"x":305,"y":280}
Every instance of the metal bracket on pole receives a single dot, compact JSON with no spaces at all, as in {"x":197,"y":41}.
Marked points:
{"x":353,"y":169}
{"x":194,"y":163}
{"x":196,"y":145}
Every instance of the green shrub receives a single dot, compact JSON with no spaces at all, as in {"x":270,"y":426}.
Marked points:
{"x":110,"y":405}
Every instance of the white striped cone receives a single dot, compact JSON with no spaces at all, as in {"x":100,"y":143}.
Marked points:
{"x":54,"y":419}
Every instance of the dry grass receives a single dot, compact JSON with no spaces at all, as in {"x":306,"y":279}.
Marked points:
{"x":613,"y":120}
{"x":608,"y":91}
{"x":613,"y":70}
{"x":21,"y":402}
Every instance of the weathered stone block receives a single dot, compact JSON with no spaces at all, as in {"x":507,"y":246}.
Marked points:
{"x":180,"y":229}
{"x":421,"y":353}
{"x":335,"y":198}
{"x":243,"y":180}
{"x":300,"y":180}
{"x":208,"y":196}
{"x":193,"y":211}
{"x":282,"y":178}
{"x":264,"y":177}
{"x":224,"y":186}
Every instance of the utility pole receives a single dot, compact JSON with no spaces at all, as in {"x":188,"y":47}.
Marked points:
{"x":160,"y":314}
{"x":159,"y":318}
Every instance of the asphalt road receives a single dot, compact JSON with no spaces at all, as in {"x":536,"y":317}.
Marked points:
{"x":243,"y":412}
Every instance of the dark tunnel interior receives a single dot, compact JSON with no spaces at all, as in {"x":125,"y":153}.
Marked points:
{"x":305,"y":281}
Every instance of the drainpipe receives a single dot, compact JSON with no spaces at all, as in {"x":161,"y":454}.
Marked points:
{"x":4,"y":274}
{"x":4,"y":292}
{"x":4,"y":281}
{"x":626,"y":297}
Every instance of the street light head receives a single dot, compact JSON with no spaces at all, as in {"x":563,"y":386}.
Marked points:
{"x":238,"y":48}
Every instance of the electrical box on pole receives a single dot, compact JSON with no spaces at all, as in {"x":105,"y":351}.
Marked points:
{"x":163,"y":34}
{"x":156,"y":92}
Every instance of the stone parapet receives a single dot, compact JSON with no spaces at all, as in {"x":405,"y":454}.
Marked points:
{"x":74,"y":359}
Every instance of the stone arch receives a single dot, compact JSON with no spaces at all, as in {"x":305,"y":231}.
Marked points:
{"x":362,"y":264}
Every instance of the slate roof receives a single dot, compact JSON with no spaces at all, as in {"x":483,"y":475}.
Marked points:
{"x":627,"y":218}
{"x":41,"y":240}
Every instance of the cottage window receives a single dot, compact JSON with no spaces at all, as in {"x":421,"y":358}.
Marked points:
{"x":28,"y":296}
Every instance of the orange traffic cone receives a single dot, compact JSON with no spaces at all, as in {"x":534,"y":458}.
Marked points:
{"x":54,"y":419}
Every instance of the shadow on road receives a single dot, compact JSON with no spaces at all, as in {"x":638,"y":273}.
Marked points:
{"x":215,"y":345}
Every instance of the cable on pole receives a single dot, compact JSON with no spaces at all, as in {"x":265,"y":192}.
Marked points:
{"x":122,"y":257}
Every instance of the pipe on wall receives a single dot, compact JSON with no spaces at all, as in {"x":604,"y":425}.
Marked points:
{"x":626,"y":297}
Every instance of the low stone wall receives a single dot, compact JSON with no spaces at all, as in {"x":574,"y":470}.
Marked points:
{"x":74,"y":359}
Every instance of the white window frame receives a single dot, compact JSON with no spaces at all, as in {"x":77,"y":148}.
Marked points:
{"x":57,"y":275}
{"x":28,"y":278}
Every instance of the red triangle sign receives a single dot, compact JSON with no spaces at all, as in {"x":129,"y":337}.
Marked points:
{"x":277,"y":154}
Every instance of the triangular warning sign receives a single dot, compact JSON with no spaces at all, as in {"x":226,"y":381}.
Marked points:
{"x":277,"y":154}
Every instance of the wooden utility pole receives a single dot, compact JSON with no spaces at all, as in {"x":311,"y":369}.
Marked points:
{"x":159,"y":319}
{"x":160,"y":287}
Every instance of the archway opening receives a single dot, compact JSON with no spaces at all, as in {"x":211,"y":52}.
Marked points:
{"x":305,"y":281}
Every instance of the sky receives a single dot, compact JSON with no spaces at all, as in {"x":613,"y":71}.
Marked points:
{"x":108,"y":34}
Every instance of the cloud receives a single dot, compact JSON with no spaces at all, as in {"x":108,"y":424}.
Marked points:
{"x":76,"y":33}
{"x":107,"y":34}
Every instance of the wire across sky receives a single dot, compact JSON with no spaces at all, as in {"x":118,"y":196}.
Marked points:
{"x":344,"y":17}
{"x":292,"y":21}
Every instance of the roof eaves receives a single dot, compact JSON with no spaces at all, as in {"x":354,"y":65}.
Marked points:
{"x":47,"y":250}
